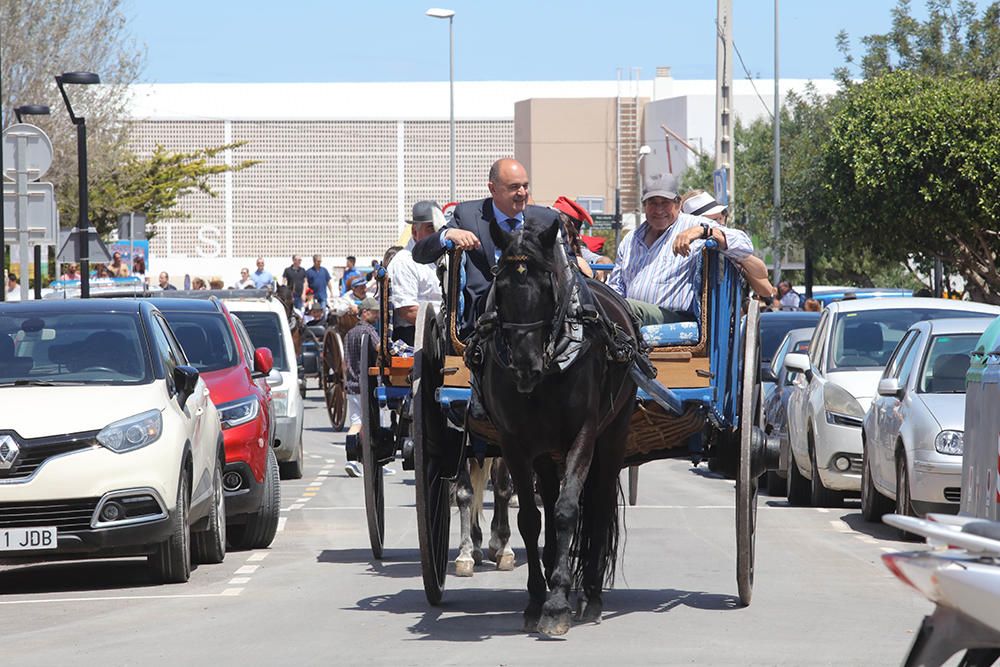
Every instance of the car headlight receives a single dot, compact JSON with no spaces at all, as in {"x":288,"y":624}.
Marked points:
{"x":132,"y":433}
{"x":950,"y":442}
{"x":238,"y":412}
{"x":841,"y":408}
{"x":280,"y":400}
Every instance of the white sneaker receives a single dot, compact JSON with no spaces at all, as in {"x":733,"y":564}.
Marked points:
{"x":353,"y":469}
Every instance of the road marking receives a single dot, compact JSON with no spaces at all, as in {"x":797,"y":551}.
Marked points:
{"x":308,"y":496}
{"x":247,"y":569}
{"x":281,"y":523}
{"x":111,"y":598}
{"x":296,"y":506}
{"x":840,"y":526}
{"x":330,"y":461}
{"x":239,"y":581}
{"x":232,"y":592}
{"x":315,"y":487}
{"x":257,"y":556}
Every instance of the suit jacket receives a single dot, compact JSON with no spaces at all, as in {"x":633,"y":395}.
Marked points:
{"x":475,"y":216}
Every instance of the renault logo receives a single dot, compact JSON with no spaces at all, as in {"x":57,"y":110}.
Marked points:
{"x":8,"y":452}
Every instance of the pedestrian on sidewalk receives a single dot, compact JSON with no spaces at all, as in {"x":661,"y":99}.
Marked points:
{"x":362,"y":334}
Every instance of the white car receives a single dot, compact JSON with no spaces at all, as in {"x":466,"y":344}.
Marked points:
{"x":109,"y":443}
{"x":913,"y":432}
{"x":838,"y":378}
{"x":266,"y":322}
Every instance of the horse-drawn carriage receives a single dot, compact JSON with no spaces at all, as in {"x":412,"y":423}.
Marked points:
{"x":705,"y":396}
{"x":321,"y":356}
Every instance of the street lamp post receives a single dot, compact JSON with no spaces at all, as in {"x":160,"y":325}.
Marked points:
{"x":20,"y":112}
{"x":449,"y":14}
{"x":83,"y":242}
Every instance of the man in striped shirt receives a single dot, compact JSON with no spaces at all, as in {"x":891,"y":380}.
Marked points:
{"x":657,"y":263}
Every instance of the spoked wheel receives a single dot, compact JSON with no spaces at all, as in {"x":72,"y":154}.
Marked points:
{"x":747,"y":478}
{"x":372,"y":479}
{"x":433,"y":491}
{"x":633,"y":485}
{"x":332,"y":379}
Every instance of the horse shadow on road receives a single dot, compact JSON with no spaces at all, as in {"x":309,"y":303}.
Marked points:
{"x":475,"y":614}
{"x":395,"y":563}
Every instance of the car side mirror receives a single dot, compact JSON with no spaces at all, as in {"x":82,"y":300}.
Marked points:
{"x":274,"y":378}
{"x":890,"y":387}
{"x":263,"y":362}
{"x":185,"y":379}
{"x":799,"y":363}
{"x":767,"y":375}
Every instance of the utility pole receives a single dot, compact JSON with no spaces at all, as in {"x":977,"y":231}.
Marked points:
{"x":724,"y":153}
{"x":776,"y":230}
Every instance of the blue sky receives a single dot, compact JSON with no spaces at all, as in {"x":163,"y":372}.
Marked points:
{"x":392,"y":40}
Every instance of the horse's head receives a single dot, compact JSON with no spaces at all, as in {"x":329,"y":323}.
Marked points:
{"x":527,"y":290}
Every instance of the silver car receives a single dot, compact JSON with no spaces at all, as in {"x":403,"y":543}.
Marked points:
{"x":795,"y":341}
{"x":912,"y":433}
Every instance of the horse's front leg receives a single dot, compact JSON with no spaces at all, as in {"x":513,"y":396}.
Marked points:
{"x":556,"y":614}
{"x":503,"y":488}
{"x":465,"y":563}
{"x":529,"y":522}
{"x":548,"y":476}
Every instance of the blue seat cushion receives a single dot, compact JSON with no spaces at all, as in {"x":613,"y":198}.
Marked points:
{"x":676,"y":333}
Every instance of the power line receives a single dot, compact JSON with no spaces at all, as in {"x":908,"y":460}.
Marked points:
{"x":746,"y":71}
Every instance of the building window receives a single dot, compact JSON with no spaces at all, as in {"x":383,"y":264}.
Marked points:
{"x":592,"y":204}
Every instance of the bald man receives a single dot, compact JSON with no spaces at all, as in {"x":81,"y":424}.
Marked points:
{"x":469,"y":230}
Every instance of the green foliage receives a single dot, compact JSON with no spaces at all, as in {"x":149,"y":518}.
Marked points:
{"x":154,"y":185}
{"x":699,"y":175}
{"x":912,"y":162}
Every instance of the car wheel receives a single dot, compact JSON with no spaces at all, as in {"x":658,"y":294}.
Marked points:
{"x":874,"y":505}
{"x":776,"y":484}
{"x":819,"y":495}
{"x":798,"y":486}
{"x":262,"y":525}
{"x":209,"y":545}
{"x":904,"y":504}
{"x":172,"y":560}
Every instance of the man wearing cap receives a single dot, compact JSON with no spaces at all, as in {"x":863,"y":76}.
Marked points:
{"x":469,"y":229}
{"x":700,"y":203}
{"x":411,"y":283}
{"x":656,"y":266}
{"x":363,"y":334}
{"x":319,"y":280}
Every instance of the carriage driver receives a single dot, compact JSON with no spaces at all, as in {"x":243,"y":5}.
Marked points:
{"x":657,"y":263}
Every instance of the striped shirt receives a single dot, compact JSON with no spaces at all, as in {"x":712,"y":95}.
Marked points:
{"x":656,"y":275}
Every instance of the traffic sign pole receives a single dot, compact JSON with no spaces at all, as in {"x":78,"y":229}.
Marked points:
{"x":21,"y":210}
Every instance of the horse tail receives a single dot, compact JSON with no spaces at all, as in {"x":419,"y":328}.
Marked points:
{"x":598,"y":520}
{"x":479,"y":474}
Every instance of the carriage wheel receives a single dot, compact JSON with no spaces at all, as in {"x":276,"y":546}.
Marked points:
{"x":746,"y":480}
{"x":332,"y":380}
{"x":633,"y":485}
{"x":372,"y":479}
{"x":433,"y":491}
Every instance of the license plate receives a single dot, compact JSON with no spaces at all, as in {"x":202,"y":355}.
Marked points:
{"x":28,"y":539}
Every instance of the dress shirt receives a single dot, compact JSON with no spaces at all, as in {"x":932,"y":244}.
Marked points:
{"x":654,"y":274}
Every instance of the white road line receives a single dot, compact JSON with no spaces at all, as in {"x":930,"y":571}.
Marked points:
{"x":257,"y":556}
{"x":247,"y":569}
{"x":239,"y":581}
{"x":331,"y":461}
{"x":232,"y":592}
{"x":281,"y":523}
{"x":296,"y":506}
{"x":840,"y":526}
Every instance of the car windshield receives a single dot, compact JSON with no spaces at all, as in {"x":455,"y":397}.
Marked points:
{"x":73,"y":348}
{"x":206,"y":338}
{"x":265,"y":331}
{"x":946,"y":363}
{"x":866,"y":338}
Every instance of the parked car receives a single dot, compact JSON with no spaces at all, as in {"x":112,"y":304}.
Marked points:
{"x":773,"y":327}
{"x":109,"y":444}
{"x":236,"y":374}
{"x":848,"y":352}
{"x":795,"y":341}
{"x":912,"y":433}
{"x":265,"y":320}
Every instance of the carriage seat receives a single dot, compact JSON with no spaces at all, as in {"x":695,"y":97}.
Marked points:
{"x":676,"y":333}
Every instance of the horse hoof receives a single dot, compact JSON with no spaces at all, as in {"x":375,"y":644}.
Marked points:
{"x":506,"y":562}
{"x":477,"y":556}
{"x":588,"y":611}
{"x":555,"y":625}
{"x":464,"y":568}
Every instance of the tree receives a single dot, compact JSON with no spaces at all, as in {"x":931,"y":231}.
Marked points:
{"x":911,"y":162}
{"x":42,"y":38}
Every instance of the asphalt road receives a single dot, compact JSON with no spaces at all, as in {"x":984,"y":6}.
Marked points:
{"x":316,"y":597}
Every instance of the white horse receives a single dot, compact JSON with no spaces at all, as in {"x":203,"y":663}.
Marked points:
{"x":469,"y":490}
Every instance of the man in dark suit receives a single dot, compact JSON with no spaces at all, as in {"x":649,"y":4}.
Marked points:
{"x":469,"y":230}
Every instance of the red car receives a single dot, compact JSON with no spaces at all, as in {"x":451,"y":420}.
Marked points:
{"x":217,"y":345}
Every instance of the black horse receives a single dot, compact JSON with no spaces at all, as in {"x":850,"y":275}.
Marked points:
{"x":552,"y":360}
